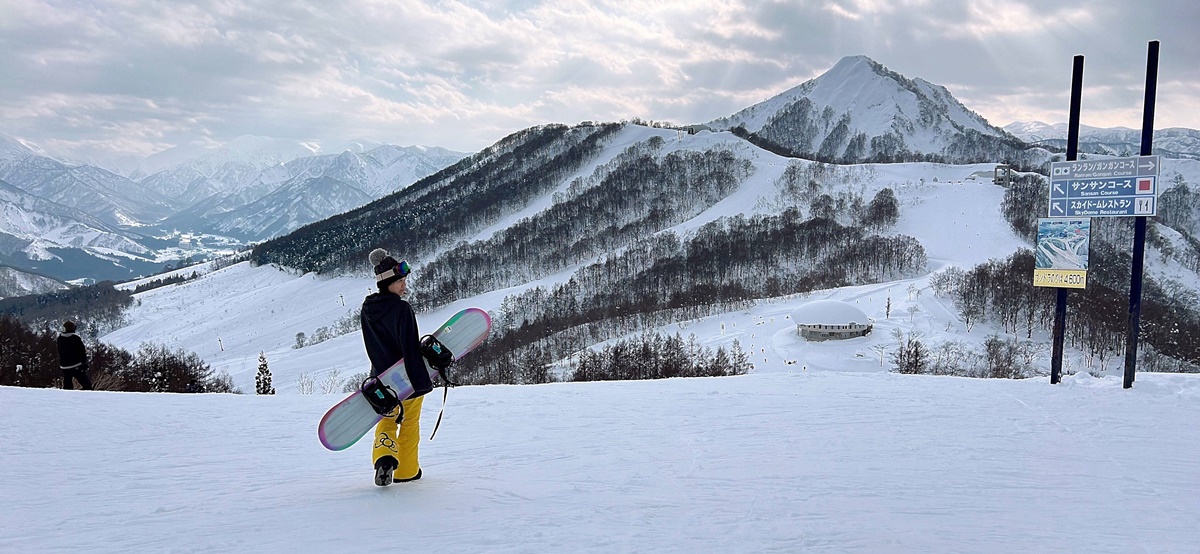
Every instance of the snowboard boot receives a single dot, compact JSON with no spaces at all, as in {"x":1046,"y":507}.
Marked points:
{"x":405,"y":480}
{"x":384,"y":467}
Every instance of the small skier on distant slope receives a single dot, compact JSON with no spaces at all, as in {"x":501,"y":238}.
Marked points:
{"x":389,"y":329}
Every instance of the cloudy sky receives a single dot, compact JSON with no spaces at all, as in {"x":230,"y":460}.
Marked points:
{"x":139,"y":76}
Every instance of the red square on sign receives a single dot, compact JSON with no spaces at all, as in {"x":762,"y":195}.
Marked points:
{"x":1145,"y":186}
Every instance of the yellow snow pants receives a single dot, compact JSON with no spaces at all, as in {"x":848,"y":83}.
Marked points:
{"x":400,"y":439}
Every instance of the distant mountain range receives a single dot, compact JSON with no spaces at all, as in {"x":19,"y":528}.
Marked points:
{"x":123,"y":218}
{"x":1175,"y":142}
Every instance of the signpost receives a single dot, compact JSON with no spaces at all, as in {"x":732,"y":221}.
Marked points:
{"x":1118,"y":187}
{"x":1139,"y":225}
{"x":1060,"y":295}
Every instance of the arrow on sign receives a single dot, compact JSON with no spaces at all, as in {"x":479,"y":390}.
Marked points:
{"x":1057,"y":206}
{"x":1058,"y":187}
{"x":1148,"y":165}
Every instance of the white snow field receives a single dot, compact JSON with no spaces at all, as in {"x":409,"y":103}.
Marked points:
{"x":818,"y":449}
{"x":780,"y":462}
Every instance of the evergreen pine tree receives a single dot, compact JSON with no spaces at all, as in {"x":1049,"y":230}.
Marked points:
{"x":739,"y":360}
{"x":262,"y":381}
{"x":720,"y":365}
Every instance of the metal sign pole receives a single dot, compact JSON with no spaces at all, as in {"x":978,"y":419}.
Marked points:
{"x":1139,"y":230}
{"x":1060,"y":304}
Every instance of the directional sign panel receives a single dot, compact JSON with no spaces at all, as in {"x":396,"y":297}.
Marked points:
{"x":1118,"y":187}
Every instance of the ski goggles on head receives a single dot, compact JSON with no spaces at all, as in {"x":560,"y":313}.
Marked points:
{"x":401,"y":270}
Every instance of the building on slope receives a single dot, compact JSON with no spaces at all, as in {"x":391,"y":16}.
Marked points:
{"x":830,"y":320}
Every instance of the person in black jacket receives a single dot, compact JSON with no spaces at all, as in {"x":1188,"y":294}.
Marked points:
{"x":72,"y":358}
{"x":389,"y":329}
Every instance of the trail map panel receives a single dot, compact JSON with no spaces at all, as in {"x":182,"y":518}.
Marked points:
{"x":1063,"y":246}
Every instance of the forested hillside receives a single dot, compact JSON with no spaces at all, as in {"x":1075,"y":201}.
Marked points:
{"x":1001,"y":291}
{"x":637,"y":194}
{"x":446,"y":206}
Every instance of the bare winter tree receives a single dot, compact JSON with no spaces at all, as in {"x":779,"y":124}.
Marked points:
{"x":882,"y":350}
{"x":304,"y":384}
{"x":332,"y":381}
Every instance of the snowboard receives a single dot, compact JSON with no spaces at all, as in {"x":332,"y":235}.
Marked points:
{"x":353,"y":417}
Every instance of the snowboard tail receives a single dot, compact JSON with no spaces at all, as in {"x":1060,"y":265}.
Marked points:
{"x":353,"y":417}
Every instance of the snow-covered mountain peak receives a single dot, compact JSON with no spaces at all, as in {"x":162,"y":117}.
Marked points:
{"x":13,"y":149}
{"x":860,"y":110}
{"x":853,"y":68}
{"x":262,"y":152}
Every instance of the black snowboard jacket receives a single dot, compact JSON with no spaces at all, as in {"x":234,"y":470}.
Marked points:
{"x":71,"y":353}
{"x":389,"y":330}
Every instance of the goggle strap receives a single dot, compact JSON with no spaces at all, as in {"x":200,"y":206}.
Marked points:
{"x":393,"y":272}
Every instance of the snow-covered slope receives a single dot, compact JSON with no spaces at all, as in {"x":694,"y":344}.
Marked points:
{"x":33,"y":224}
{"x":818,"y":448}
{"x":295,"y":203}
{"x":239,"y":297}
{"x":14,"y":282}
{"x":954,"y":216}
{"x":12,"y":150}
{"x":783,"y":462}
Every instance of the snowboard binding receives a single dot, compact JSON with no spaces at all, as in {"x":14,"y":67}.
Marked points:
{"x":436,"y":353}
{"x":382,"y":397}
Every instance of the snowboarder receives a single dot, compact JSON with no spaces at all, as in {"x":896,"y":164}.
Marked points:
{"x":390,"y":334}
{"x":72,"y":358}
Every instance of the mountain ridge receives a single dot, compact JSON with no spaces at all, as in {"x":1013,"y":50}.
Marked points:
{"x":1171,"y":142}
{"x":210,"y":194}
{"x":861,"y":111}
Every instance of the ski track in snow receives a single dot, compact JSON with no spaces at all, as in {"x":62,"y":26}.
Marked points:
{"x":807,"y":461}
